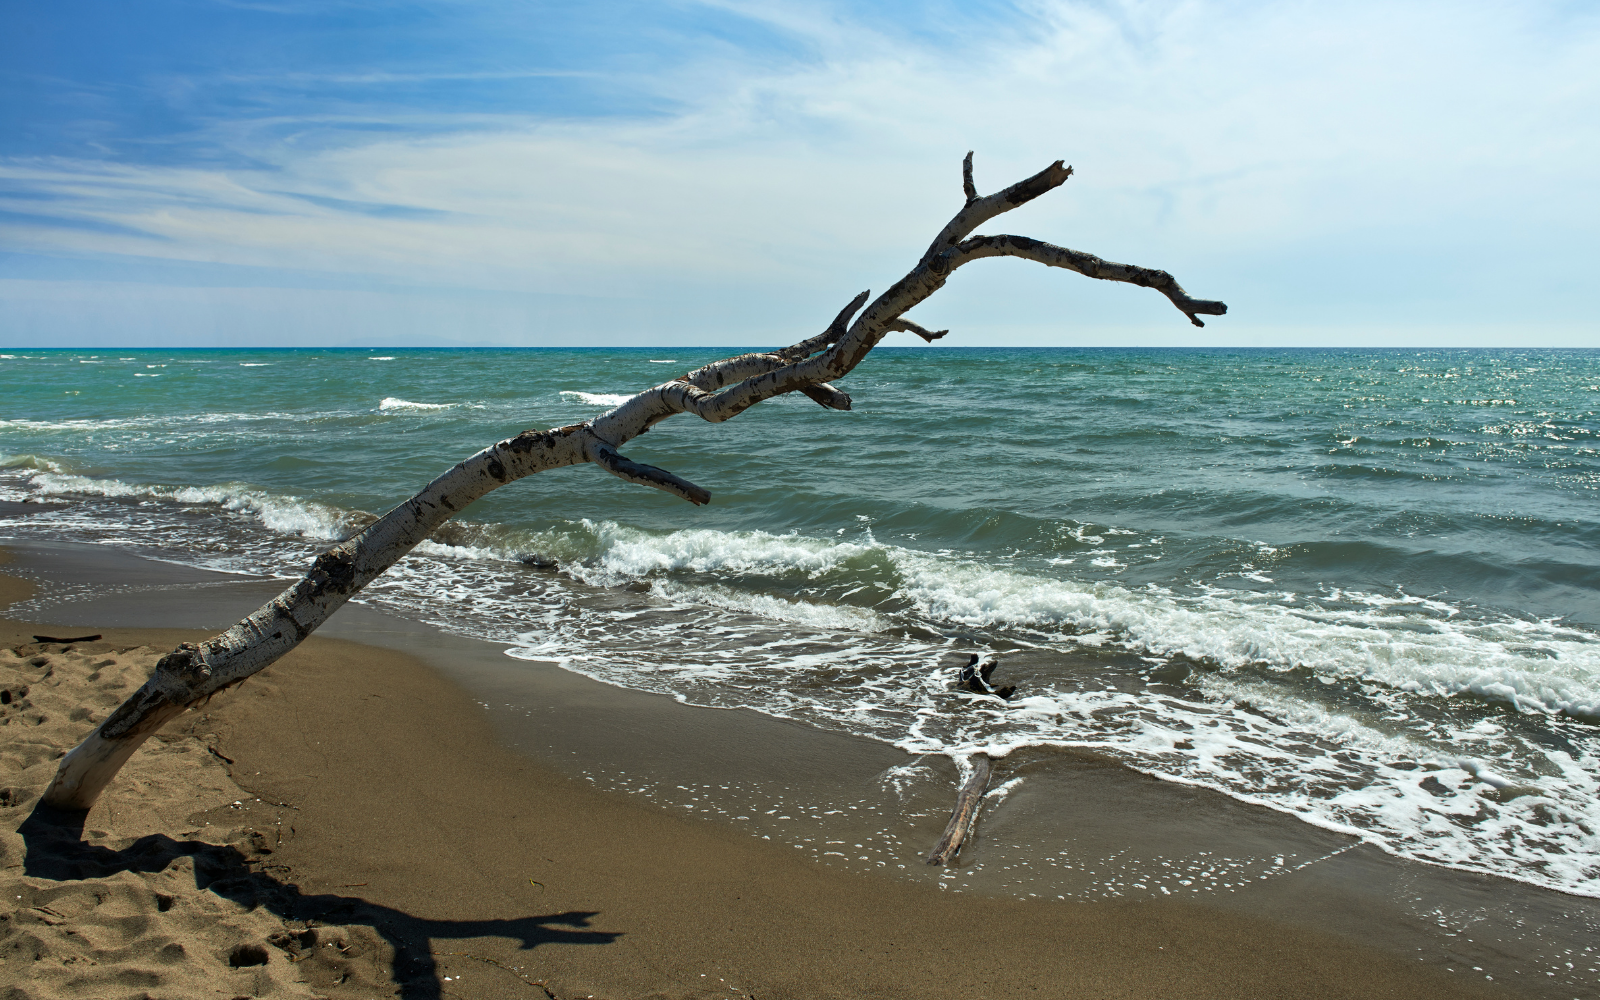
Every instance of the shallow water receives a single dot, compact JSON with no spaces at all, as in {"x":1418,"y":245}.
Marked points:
{"x":1059,"y":824}
{"x":1358,"y":587}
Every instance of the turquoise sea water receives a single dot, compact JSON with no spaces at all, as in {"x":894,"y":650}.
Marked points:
{"x":1358,"y":586}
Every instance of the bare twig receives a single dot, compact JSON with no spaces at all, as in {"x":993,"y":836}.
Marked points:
{"x":906,"y":326}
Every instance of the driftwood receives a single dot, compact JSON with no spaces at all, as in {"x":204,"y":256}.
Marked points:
{"x":720,"y":391}
{"x":977,"y":677}
{"x":965,"y":812}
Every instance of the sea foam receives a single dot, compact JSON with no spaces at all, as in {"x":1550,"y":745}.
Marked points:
{"x":596,"y":398}
{"x":395,"y":403}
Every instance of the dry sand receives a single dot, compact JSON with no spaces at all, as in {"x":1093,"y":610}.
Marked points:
{"x":346,"y":824}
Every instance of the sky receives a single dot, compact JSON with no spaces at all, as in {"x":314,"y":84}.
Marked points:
{"x":342,"y":172}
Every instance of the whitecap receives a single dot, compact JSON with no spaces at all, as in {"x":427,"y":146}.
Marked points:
{"x":30,"y":462}
{"x":285,"y":514}
{"x":597,"y":398}
{"x":628,"y":553}
{"x":157,"y":421}
{"x":395,"y":403}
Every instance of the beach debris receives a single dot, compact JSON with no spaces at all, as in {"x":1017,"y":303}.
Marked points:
{"x":717,"y":392}
{"x":976,"y":677}
{"x":965,"y":812}
{"x":80,"y":638}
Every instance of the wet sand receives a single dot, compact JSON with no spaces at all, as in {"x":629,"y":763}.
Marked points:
{"x":387,"y":836}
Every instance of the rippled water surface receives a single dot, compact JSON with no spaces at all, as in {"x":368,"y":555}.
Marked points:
{"x":1362,"y":587}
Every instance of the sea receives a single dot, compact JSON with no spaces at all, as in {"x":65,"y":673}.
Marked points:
{"x":1356,"y":587}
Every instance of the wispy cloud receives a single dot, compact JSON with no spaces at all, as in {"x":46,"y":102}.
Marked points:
{"x":1325,"y":168}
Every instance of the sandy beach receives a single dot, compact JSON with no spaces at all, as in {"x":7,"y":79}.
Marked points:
{"x":350,"y":823}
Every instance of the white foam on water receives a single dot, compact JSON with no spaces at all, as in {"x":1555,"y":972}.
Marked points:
{"x":384,"y":358}
{"x":628,"y":553}
{"x":1528,"y":810}
{"x":827,"y":617}
{"x":282,"y":514}
{"x":1533,"y":665}
{"x":395,"y":403}
{"x":597,"y":398}
{"x":169,"y":421}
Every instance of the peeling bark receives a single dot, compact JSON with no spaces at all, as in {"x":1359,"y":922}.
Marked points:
{"x":717,"y":392}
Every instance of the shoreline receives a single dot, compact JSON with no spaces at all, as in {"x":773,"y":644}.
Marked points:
{"x":693,"y":902}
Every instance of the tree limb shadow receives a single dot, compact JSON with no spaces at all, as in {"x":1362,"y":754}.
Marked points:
{"x":55,"y":850}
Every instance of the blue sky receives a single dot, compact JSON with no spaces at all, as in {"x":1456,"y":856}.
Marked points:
{"x":271,"y":172}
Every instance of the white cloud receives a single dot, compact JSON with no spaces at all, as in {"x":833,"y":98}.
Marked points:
{"x":1322,"y":167}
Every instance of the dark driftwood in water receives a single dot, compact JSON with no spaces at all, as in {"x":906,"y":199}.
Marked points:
{"x":720,"y":391}
{"x":965,"y":812}
{"x":977,"y":678}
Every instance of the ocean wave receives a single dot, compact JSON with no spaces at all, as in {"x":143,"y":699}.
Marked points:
{"x":36,"y":463}
{"x":597,"y":398}
{"x":1534,"y":666}
{"x":286,"y":515}
{"x":162,"y":421}
{"x":1405,"y":643}
{"x":1417,"y":646}
{"x":623,"y":553}
{"x":395,"y":403}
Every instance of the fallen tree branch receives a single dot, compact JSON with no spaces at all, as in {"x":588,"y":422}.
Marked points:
{"x":965,"y":812}
{"x":717,"y":392}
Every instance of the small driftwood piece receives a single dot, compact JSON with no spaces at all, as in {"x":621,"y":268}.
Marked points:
{"x":978,"y":677}
{"x":76,"y":638}
{"x":965,"y":812}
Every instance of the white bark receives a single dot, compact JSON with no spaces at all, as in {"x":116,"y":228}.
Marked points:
{"x":192,"y":673}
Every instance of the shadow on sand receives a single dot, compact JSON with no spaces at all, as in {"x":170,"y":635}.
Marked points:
{"x":56,"y":851}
